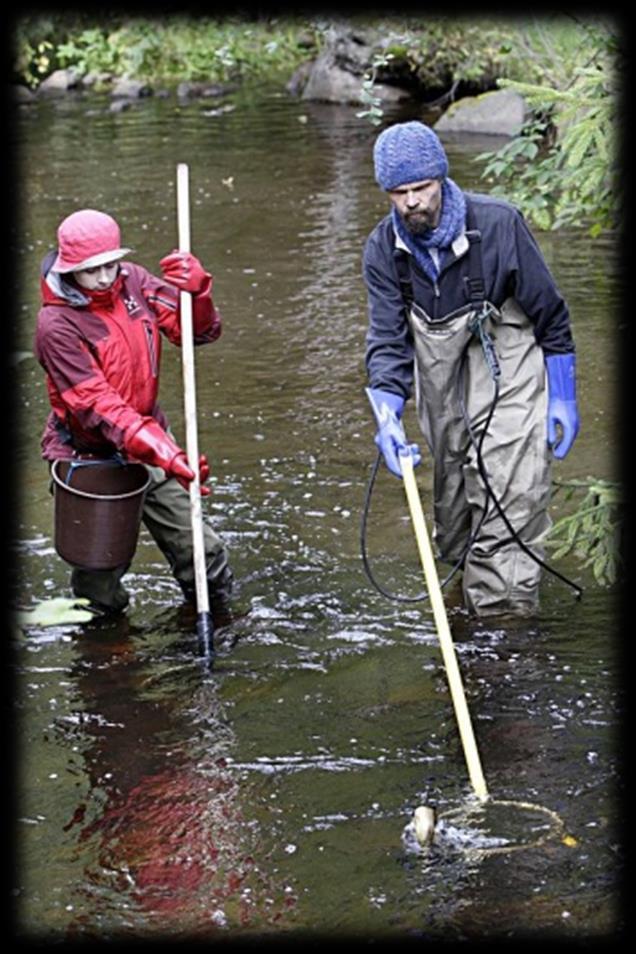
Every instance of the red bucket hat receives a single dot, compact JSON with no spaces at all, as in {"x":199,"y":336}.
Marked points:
{"x":86,"y":239}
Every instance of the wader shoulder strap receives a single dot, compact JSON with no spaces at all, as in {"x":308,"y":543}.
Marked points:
{"x":403,"y":265}
{"x":474,"y":282}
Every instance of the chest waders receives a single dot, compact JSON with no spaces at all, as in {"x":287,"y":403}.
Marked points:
{"x":454,"y":398}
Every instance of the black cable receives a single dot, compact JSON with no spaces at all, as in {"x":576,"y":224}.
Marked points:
{"x":363,"y":542}
{"x":495,"y":372}
{"x":471,"y":539}
{"x":363,"y":545}
{"x":493,"y":365}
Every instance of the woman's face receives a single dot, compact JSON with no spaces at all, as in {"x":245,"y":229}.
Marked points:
{"x":99,"y":278}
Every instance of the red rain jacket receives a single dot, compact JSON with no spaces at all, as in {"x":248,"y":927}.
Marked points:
{"x":101,"y":353}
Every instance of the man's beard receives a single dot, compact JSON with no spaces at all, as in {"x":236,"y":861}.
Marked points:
{"x":418,"y":223}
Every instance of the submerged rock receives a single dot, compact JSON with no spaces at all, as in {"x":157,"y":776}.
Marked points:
{"x":60,"y":81}
{"x":130,"y":89}
{"x":189,"y":89}
{"x":21,"y":94}
{"x":120,"y":105}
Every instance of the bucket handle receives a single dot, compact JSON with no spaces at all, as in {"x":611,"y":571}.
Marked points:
{"x":82,"y":493}
{"x":76,"y":464}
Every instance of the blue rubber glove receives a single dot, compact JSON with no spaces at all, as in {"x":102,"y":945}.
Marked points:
{"x":562,"y":410}
{"x":390,"y":437}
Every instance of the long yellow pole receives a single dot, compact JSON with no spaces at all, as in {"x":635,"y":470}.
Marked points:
{"x":443,"y":630}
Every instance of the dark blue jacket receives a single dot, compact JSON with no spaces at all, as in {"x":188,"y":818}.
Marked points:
{"x":512,"y":266}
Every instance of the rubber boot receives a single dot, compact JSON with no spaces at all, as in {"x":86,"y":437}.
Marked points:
{"x":219,"y":594}
{"x":103,"y":588}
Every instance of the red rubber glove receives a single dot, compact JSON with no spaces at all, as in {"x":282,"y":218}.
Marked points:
{"x":184,"y":270}
{"x":204,"y":473}
{"x":183,"y":473}
{"x":151,"y":445}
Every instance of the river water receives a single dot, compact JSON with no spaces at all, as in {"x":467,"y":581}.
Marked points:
{"x":269,"y":796}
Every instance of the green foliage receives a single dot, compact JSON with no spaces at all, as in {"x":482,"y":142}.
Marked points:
{"x":561,"y":169}
{"x":373,"y":102}
{"x":91,"y":50}
{"x":172,"y":49}
{"x":35,"y":41}
{"x":474,"y":50}
{"x":436,"y":52}
{"x":33,"y":63}
{"x":593,"y":532}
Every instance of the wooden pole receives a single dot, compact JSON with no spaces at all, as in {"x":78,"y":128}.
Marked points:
{"x":204,"y":619}
{"x":443,"y":630}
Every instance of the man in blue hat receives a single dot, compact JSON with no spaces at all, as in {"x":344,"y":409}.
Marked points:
{"x":464,"y":311}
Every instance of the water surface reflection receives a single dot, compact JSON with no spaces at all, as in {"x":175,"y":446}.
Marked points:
{"x":271,"y":795}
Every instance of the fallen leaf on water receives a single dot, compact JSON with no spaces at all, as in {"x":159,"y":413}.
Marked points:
{"x":569,"y":840}
{"x":56,"y":612}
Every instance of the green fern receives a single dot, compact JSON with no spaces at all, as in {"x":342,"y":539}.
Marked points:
{"x":578,"y":105}
{"x":592,"y":533}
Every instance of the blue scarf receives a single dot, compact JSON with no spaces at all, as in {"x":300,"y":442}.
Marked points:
{"x":451,"y":224}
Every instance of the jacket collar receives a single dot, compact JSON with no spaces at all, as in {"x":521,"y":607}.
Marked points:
{"x":459,"y":246}
{"x":61,"y":290}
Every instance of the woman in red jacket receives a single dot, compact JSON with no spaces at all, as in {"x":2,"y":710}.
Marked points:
{"x":98,"y":340}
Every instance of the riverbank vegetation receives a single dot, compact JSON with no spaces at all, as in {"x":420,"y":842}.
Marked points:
{"x":562,"y":168}
{"x":167,"y":50}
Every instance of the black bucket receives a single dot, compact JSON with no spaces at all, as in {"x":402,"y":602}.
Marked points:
{"x":98,"y":507}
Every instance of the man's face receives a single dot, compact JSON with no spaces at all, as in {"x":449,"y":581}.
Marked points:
{"x":98,"y":278}
{"x":419,"y":204}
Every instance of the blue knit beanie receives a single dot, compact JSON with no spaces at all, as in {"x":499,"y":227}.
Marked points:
{"x":408,"y":152}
